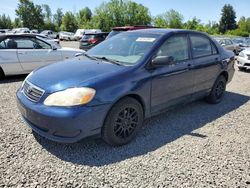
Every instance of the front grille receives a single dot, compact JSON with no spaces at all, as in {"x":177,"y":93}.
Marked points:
{"x":32,"y":92}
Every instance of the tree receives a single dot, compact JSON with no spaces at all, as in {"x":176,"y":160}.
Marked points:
{"x":120,"y":13}
{"x":171,"y":19}
{"x":5,"y":22}
{"x":17,"y":23}
{"x":69,"y":22}
{"x":47,"y":13}
{"x":83,"y":16}
{"x":30,"y":14}
{"x":192,"y":24}
{"x":227,"y":21}
{"x":58,"y":17}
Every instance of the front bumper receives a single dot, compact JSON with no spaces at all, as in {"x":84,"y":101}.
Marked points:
{"x":243,"y":62}
{"x":67,"y":125}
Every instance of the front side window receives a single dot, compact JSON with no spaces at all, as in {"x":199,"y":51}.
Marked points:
{"x":175,"y":47}
{"x":8,"y":43}
{"x":31,"y":43}
{"x":201,"y":46}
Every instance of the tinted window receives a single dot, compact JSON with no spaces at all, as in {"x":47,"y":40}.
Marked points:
{"x":201,"y":46}
{"x":176,"y":46}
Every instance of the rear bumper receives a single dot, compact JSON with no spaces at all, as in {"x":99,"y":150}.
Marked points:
{"x":67,"y":125}
{"x":86,"y":47}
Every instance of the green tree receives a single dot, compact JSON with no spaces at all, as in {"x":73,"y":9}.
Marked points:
{"x":120,"y":13}
{"x":5,"y":22}
{"x":69,"y":22}
{"x":30,"y":14}
{"x":83,"y":17}
{"x":227,"y":21}
{"x":192,"y":24}
{"x":58,"y":17}
{"x":47,"y":13}
{"x":17,"y":23}
{"x":171,"y":19}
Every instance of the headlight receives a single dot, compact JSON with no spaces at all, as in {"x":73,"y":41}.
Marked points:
{"x":70,"y":97}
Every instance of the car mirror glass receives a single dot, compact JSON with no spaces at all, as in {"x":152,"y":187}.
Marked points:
{"x":163,"y":60}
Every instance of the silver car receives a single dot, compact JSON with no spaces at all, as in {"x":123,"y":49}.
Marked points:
{"x":21,"y":54}
{"x":228,"y":44}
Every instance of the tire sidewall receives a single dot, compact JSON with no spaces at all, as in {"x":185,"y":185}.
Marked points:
{"x":108,"y":133}
{"x":213,"y":93}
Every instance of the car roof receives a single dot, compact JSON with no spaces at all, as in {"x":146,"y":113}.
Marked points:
{"x":162,"y":31}
{"x":126,"y":28}
{"x":100,"y":33}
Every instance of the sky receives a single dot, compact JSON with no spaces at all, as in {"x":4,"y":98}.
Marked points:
{"x":205,"y":10}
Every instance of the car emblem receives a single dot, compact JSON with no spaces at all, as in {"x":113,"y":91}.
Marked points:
{"x":29,"y":90}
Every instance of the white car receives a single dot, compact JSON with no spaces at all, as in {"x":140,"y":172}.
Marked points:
{"x":68,"y":36}
{"x":80,"y":32}
{"x":50,"y":34}
{"x":21,"y":54}
{"x":243,"y":60}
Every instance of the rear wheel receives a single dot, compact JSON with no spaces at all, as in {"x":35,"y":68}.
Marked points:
{"x":217,"y":93}
{"x":123,"y":122}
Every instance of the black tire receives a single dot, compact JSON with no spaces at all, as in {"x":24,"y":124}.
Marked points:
{"x":123,"y":122}
{"x":1,"y":74}
{"x":217,"y":93}
{"x":242,"y":68}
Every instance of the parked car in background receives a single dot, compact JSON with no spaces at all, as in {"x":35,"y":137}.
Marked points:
{"x":50,"y":40}
{"x":243,"y":60}
{"x":113,"y":87}
{"x":35,"y":31}
{"x":241,"y":42}
{"x":117,"y":30}
{"x":21,"y":54}
{"x":90,"y":40}
{"x":228,"y":44}
{"x":50,"y":34}
{"x":68,"y":36}
{"x":80,"y":32}
{"x":21,"y":30}
{"x":2,"y":31}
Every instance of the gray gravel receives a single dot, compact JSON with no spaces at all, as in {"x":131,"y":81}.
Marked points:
{"x":199,"y":145}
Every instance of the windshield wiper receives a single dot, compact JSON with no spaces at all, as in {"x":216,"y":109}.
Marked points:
{"x":109,"y":60}
{"x":91,"y":57}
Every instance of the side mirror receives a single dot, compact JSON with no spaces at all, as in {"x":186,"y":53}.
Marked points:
{"x":162,"y":60}
{"x":223,"y":44}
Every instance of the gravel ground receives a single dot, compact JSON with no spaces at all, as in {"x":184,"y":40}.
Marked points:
{"x":199,"y":145}
{"x":70,"y":44}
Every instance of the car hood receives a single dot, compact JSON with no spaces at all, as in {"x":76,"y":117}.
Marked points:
{"x":71,"y":73}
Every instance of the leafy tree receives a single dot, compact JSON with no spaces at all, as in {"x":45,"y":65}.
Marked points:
{"x":5,"y":22}
{"x":17,"y":23}
{"x":227,"y":21}
{"x":171,"y":19}
{"x":58,"y":17}
{"x":47,"y":13}
{"x":120,"y":13}
{"x":30,"y":14}
{"x":69,"y":22}
{"x":83,"y":16}
{"x":192,"y":24}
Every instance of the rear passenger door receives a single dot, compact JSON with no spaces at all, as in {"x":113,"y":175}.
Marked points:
{"x":206,"y":62}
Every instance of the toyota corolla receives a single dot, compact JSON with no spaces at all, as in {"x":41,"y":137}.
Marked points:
{"x":112,"y":88}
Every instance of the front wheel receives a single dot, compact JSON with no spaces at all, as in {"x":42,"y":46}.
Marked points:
{"x":123,"y":122}
{"x":217,"y":93}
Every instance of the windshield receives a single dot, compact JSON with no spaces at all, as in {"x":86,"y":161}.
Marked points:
{"x":127,"y":48}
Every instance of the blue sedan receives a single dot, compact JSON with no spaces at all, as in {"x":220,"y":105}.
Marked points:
{"x":112,"y":88}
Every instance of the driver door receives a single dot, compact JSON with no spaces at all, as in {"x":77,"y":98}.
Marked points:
{"x":172,"y":83}
{"x":34,"y":53}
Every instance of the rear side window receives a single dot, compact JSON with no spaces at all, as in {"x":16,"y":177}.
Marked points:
{"x":202,"y":46}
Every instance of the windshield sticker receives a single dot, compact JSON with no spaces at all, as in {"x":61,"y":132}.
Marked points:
{"x":141,"y":39}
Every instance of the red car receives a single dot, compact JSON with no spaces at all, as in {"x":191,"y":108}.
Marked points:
{"x":117,"y":30}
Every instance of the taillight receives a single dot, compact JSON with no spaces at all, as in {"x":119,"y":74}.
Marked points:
{"x":92,"y":41}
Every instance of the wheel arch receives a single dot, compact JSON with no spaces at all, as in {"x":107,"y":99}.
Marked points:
{"x":225,"y":74}
{"x":2,"y":74}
